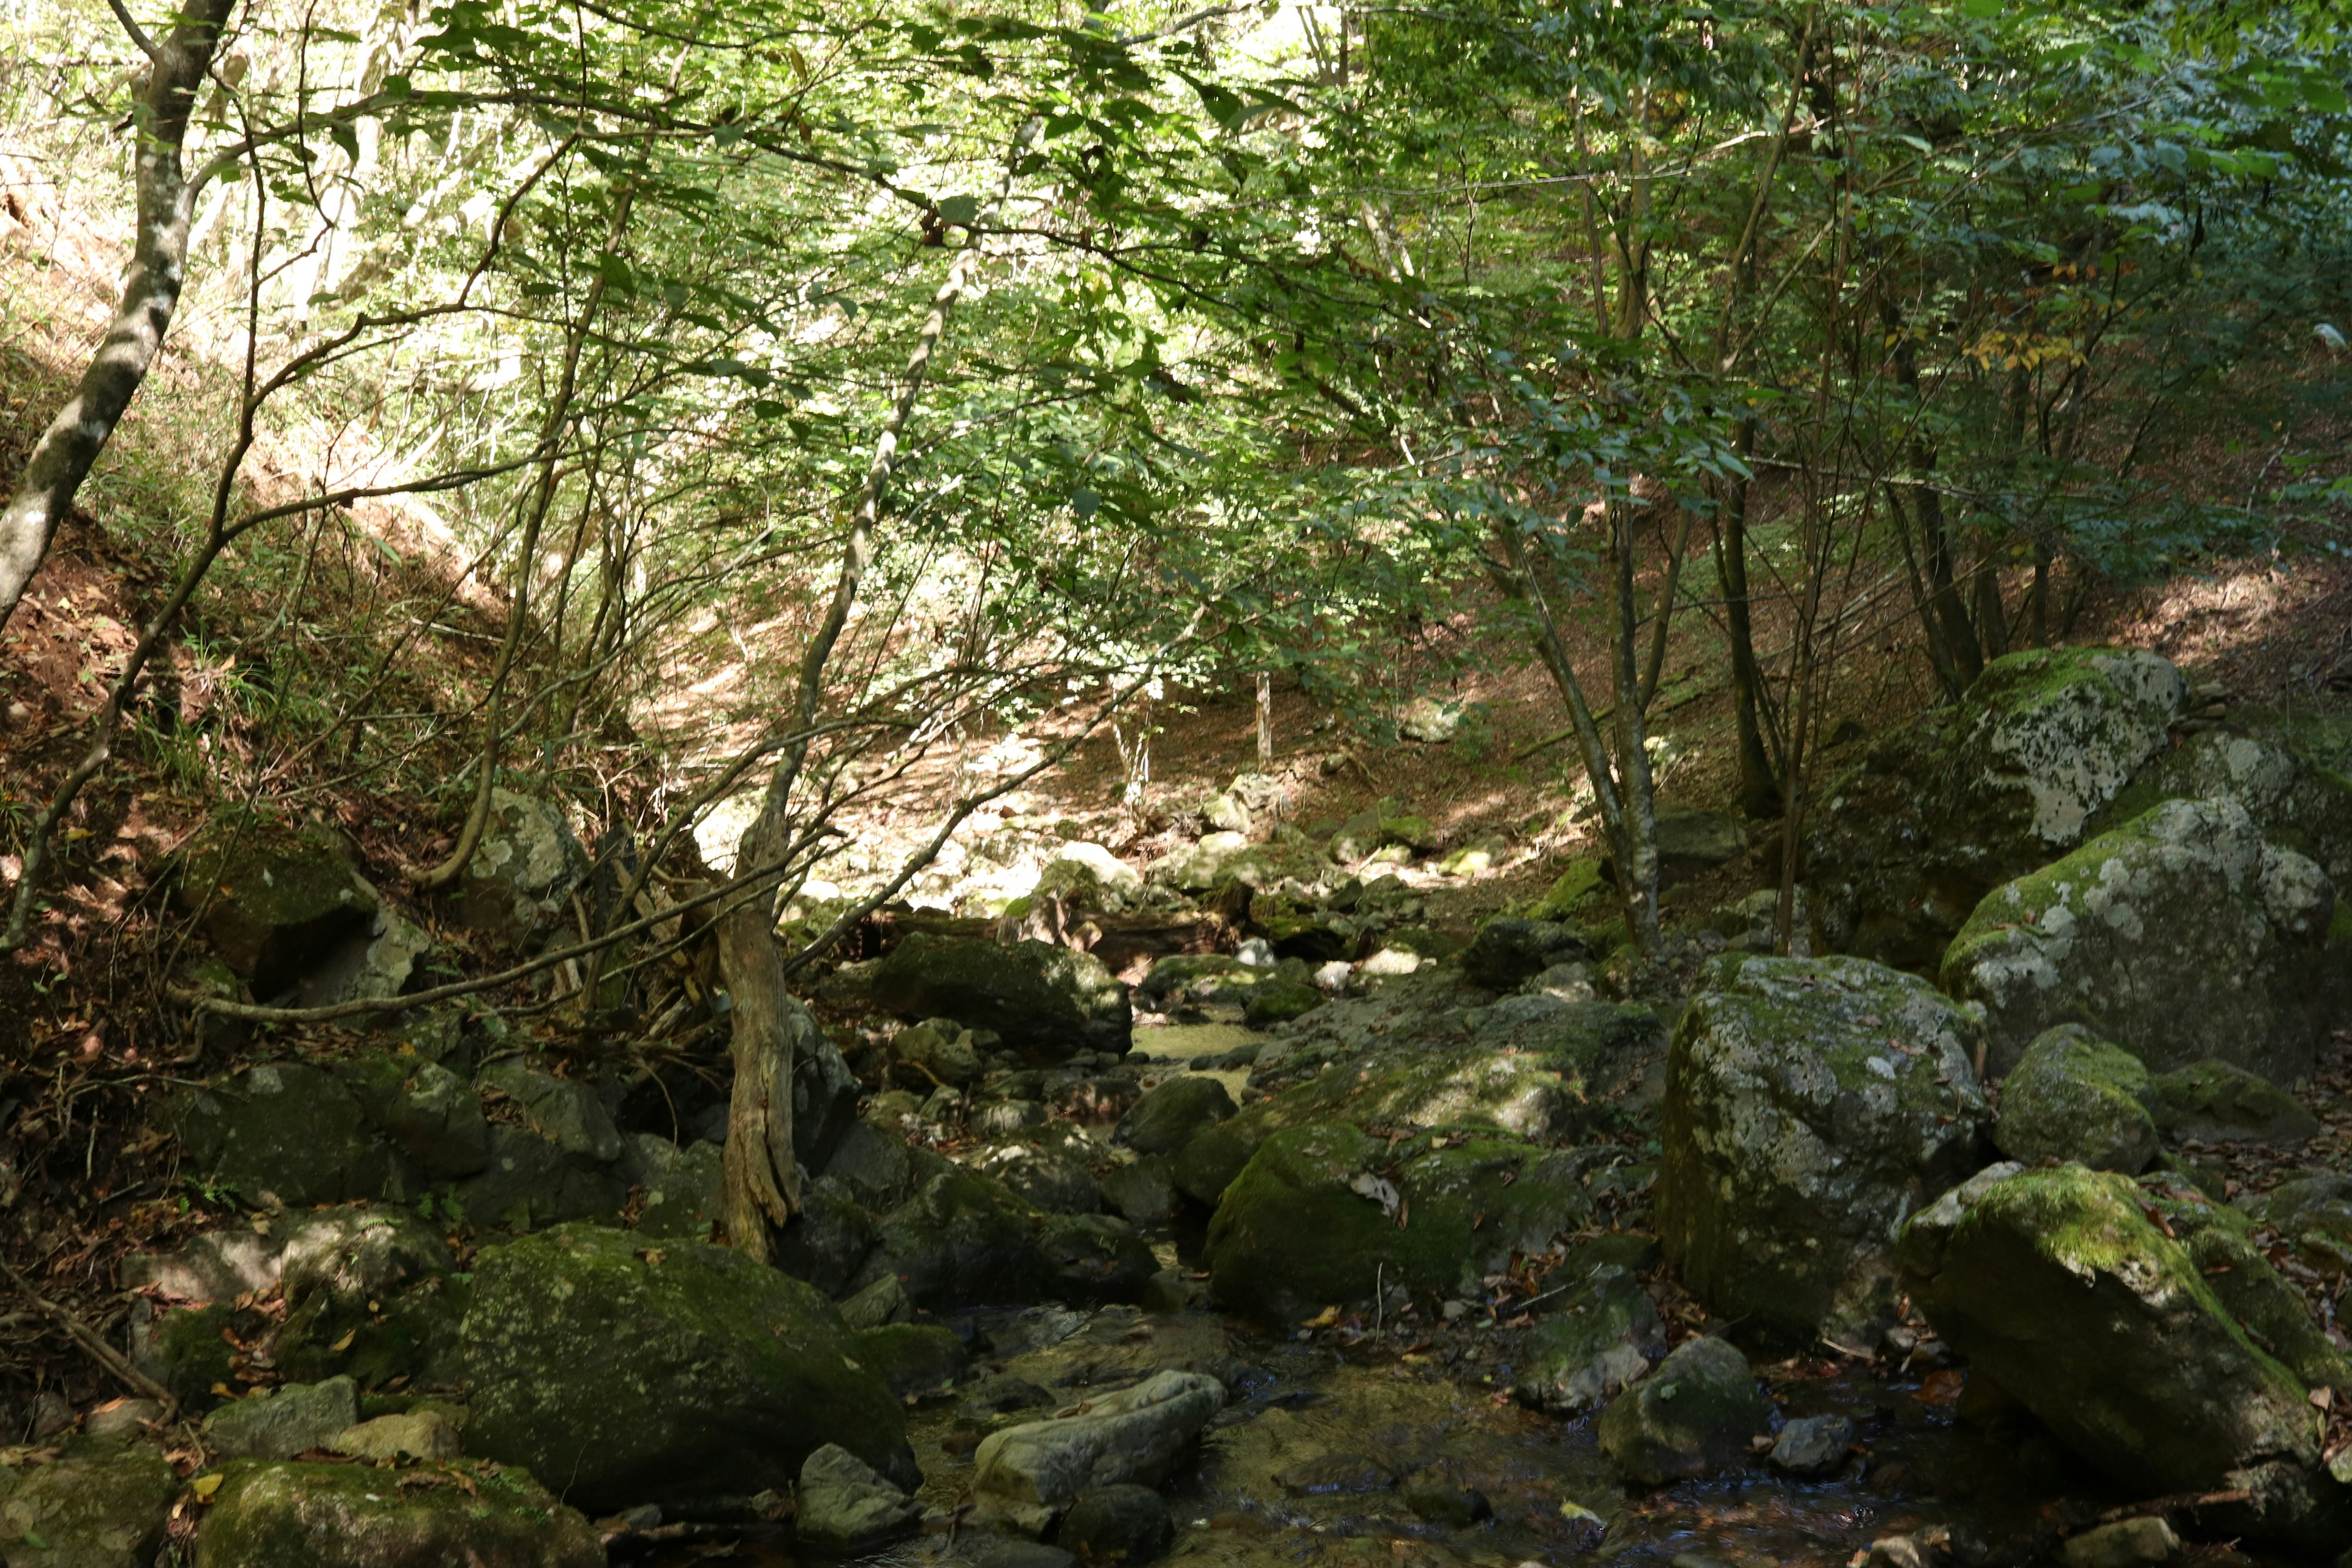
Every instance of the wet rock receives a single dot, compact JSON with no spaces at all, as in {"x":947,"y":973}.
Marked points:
{"x":1037,"y":997}
{"x":429,"y":1113}
{"x":1694,"y":1415}
{"x":1312,"y":1222}
{"x":564,"y":1111}
{"x":684,"y":1190}
{"x":2127,"y":1543}
{"x":2074,"y":1097}
{"x":649,"y":1375}
{"x":1908,"y":842}
{"x":1019,"y":1553}
{"x":99,"y":1504}
{"x":1506,"y":953}
{"x":2058,"y":1287}
{"x":1326,"y":1474}
{"x":293,"y":1420}
{"x":912,"y":1358}
{"x":827,"y":1242}
{"x":345,"y":1516}
{"x":426,"y":1434}
{"x":283,"y":1132}
{"x":1143,"y":1193}
{"x":2216,"y":1102}
{"x":1026,"y":1475}
{"x":846,"y":1506}
{"x":1596,"y":1342}
{"x":1442,"y":1503}
{"x":528,"y":862}
{"x":1810,"y":1105}
{"x":1123,"y":1524}
{"x":531,"y":1182}
{"x":1813,"y":1445}
{"x":2105,"y":938}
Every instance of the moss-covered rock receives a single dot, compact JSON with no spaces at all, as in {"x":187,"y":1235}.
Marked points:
{"x":1278,"y":1000}
{"x":2059,"y":1287}
{"x":289,"y":1131}
{"x":1037,"y":997}
{"x":353,"y":1516}
{"x":2180,"y":936}
{"x":1694,"y":1415}
{"x":2215,"y":1102}
{"x":514,"y":885}
{"x":2074,"y":1097}
{"x":642,"y":1374}
{"x":2297,"y":803}
{"x":1326,"y":1215}
{"x":1910,"y":841}
{"x":1591,"y":1344}
{"x":2220,"y":1240}
{"x":912,"y":1358}
{"x":1170,"y":1116}
{"x":99,"y":1504}
{"x":1810,"y":1105}
{"x":274,"y":901}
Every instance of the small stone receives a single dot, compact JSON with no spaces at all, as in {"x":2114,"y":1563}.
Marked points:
{"x":425,"y":1435}
{"x":846,"y":1506}
{"x":1123,"y":1524}
{"x":124,"y":1418}
{"x":1813,"y":1445}
{"x":294,"y":1420}
{"x":2127,"y":1543}
{"x":1695,"y":1413}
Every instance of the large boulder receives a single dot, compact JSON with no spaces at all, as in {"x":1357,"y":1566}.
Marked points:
{"x":1040,"y":998}
{"x":99,"y":1504}
{"x":2297,"y":802}
{"x":1027,"y":1474}
{"x":275,"y":901}
{"x":1910,"y":841}
{"x":1810,"y":1105}
{"x":1326,"y":1215}
{"x":646,"y":1374}
{"x":290,"y":1132}
{"x":532,"y":1181}
{"x":2061,"y":1288}
{"x":965,"y":1239}
{"x":1170,"y":1116}
{"x":427,"y":1112}
{"x":529,"y":861}
{"x":2182,"y":935}
{"x":1694,"y":1415}
{"x":2075,"y":1098}
{"x":353,"y":1516}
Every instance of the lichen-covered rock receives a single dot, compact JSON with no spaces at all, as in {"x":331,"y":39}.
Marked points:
{"x":2216,"y":1102}
{"x":2297,"y":803}
{"x":280,"y":1424}
{"x":1591,"y":1344}
{"x":1812,"y":1104}
{"x":2058,"y":1287}
{"x":514,"y":887}
{"x":1325,"y":1216}
{"x":846,"y":1507}
{"x":275,"y":901}
{"x":1026,"y":1475}
{"x":286,"y":1131}
{"x":1168,"y":1117}
{"x":2181,"y":935}
{"x":1813,"y":1445}
{"x":1535,"y":1067}
{"x":1908,"y":842}
{"x":1694,"y":1415}
{"x":642,"y":1374}
{"x":427,"y":1112}
{"x":684,"y":1188}
{"x":99,"y":1504}
{"x":2074,"y":1097}
{"x":1037,"y":997}
{"x":348,"y":1516}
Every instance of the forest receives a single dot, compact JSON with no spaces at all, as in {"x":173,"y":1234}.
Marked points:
{"x":978,"y":784}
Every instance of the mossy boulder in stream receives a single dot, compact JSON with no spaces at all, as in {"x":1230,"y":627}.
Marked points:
{"x":2182,"y":935}
{"x":1326,"y":1215}
{"x":1039,"y":998}
{"x":1589,"y":1345}
{"x":1810,"y":1105}
{"x":2060,"y":1287}
{"x":639,"y":1374}
{"x":1694,"y":1415}
{"x":2074,"y":1097}
{"x":354,"y":1516}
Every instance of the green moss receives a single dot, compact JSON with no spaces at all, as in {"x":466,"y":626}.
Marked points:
{"x":351,"y":1516}
{"x":2076,"y":1096}
{"x":912,"y":1358}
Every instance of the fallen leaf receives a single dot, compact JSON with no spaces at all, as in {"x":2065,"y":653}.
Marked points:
{"x":1322,"y":1320}
{"x":340,"y":1345}
{"x":205,"y":1487}
{"x":1941,"y":1387}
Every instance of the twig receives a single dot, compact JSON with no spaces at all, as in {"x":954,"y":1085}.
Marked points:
{"x":2173,"y":1504}
{"x":95,"y":1344}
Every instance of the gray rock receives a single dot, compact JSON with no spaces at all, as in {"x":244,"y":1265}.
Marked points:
{"x":883,"y":1301}
{"x":2182,"y":936}
{"x":654,"y":1374}
{"x":295,"y":1419}
{"x":826,"y":1242}
{"x":2073,"y":1096}
{"x":345,"y":1516}
{"x":912,"y":1358}
{"x":1051,"y":1168}
{"x":99,"y":1504}
{"x":684,"y":1189}
{"x":1037,"y":997}
{"x":283,"y":1131}
{"x":1810,"y":1105}
{"x":1126,"y":1523}
{"x":2299,"y":802}
{"x":1506,"y":953}
{"x":1813,"y":1445}
{"x":1168,"y":1117}
{"x":564,"y":1111}
{"x":528,"y":862}
{"x":2127,"y":1543}
{"x":379,"y":961}
{"x":274,"y":902}
{"x":2059,"y":1289}
{"x":1027,"y":1474}
{"x":359,"y":1254}
{"x":1181,"y":976}
{"x":966,"y":1240}
{"x":1003,"y":1117}
{"x":426,"y":1434}
{"x":846,"y":1506}
{"x":218,"y":1266}
{"x":1224,"y":814}
{"x":530,"y":1183}
{"x":2216,"y":1102}
{"x":936,"y":1052}
{"x":1694,"y":1415}
{"x":1593,"y":1343}
{"x":877,"y":1167}
{"x":124,"y":1420}
{"x":1143,"y":1193}
{"x":428,"y":1113}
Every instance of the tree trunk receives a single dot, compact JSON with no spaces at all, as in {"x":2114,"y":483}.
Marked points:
{"x":1759,"y":778}
{"x":761,"y":1174}
{"x":151,"y":295}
